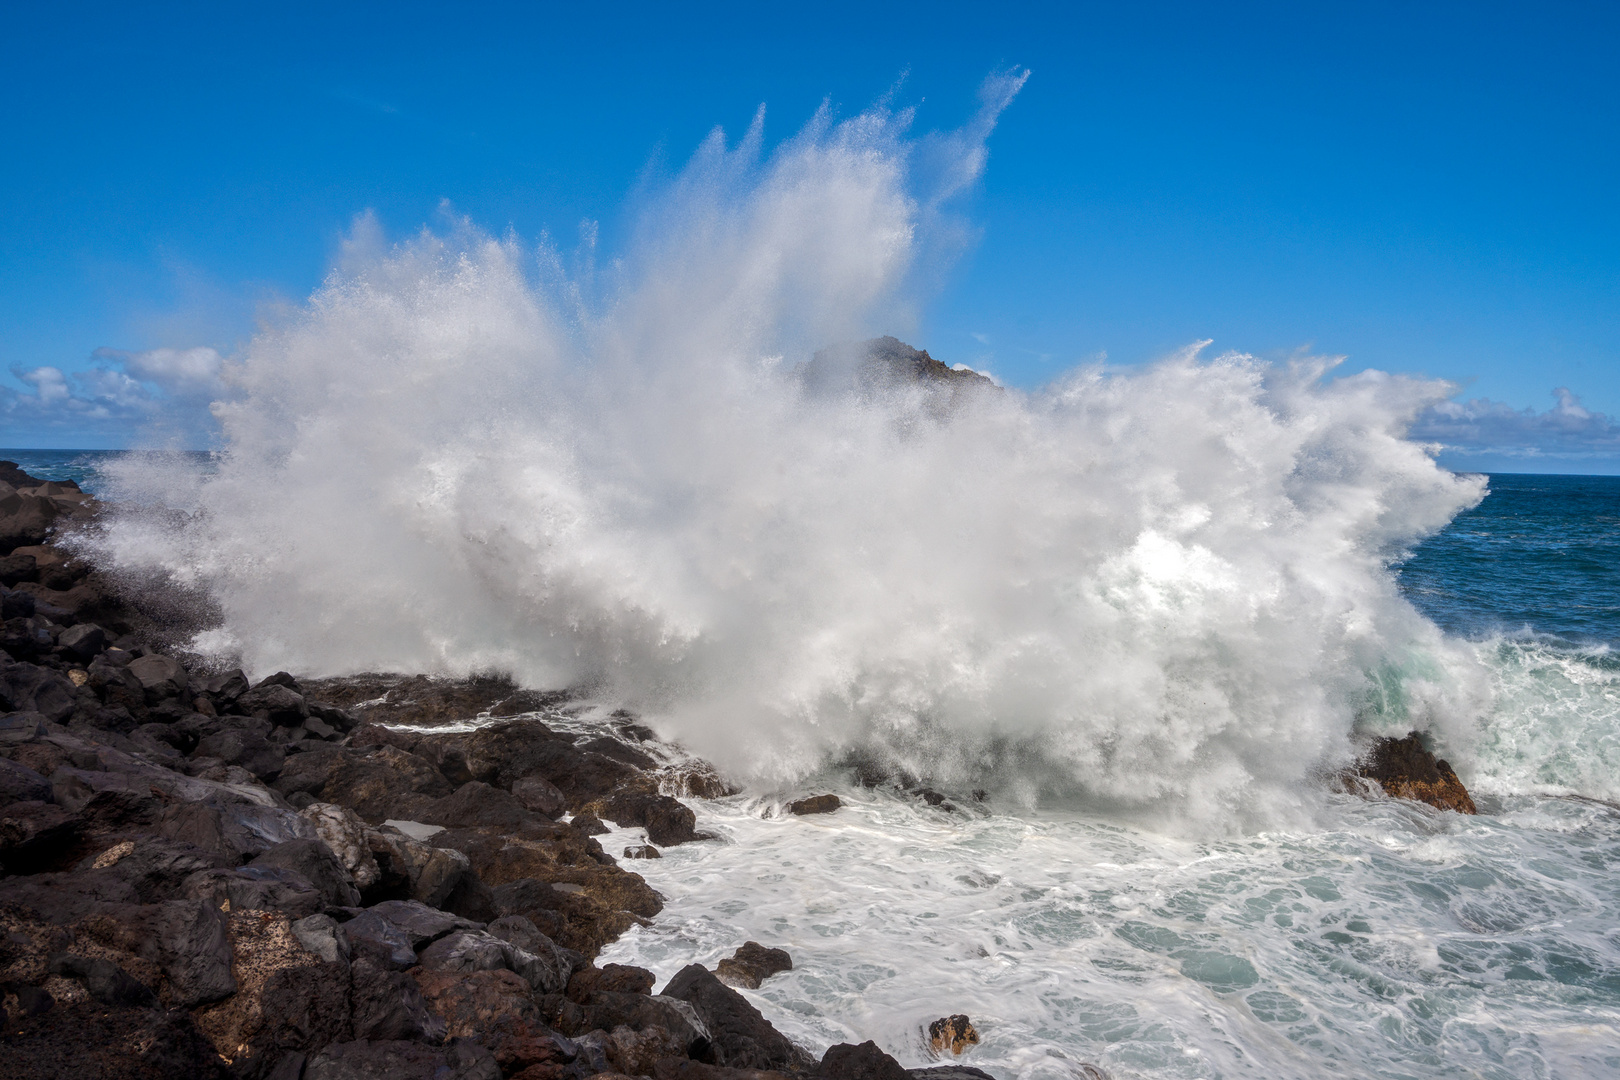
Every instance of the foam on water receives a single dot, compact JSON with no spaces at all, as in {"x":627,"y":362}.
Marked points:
{"x":1397,"y":942}
{"x":1164,"y":589}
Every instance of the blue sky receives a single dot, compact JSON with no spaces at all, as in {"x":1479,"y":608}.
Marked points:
{"x":1423,"y":188}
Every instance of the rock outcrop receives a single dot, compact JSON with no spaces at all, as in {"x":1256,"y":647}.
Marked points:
{"x":1406,"y":769}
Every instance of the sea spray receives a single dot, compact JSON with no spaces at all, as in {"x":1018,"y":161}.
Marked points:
{"x":1164,"y":590}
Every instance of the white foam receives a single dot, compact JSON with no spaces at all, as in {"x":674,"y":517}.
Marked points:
{"x":1163,"y":590}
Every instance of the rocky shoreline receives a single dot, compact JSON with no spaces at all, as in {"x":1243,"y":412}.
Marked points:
{"x":336,"y":879}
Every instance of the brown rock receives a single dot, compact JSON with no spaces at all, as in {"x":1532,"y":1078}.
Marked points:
{"x":485,"y":1005}
{"x":815,"y":804}
{"x":1406,"y":770}
{"x":953,"y":1034}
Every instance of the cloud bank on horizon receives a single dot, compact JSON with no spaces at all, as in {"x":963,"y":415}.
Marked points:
{"x":164,"y":397}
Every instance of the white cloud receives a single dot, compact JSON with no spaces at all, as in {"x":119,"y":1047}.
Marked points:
{"x":1567,"y":433}
{"x":123,"y":395}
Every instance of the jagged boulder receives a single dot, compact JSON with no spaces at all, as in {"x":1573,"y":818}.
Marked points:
{"x":1406,"y":769}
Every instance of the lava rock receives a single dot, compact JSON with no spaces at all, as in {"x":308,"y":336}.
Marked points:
{"x":667,"y":820}
{"x":642,"y":851}
{"x":315,"y":861}
{"x":847,"y":1061}
{"x":256,"y":888}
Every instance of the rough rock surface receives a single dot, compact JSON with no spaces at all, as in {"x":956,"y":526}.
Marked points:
{"x":752,"y":964}
{"x":1405,"y":769}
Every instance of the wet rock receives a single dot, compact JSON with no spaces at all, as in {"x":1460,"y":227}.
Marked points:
{"x":399,"y":1060}
{"x":637,"y":1053}
{"x":967,"y":1072}
{"x":589,"y":824}
{"x":1405,"y":769}
{"x":667,"y":820}
{"x":155,"y":868}
{"x":383,"y":784}
{"x":15,"y":569}
{"x":388,"y":1004}
{"x":34,"y":834}
{"x":20,"y":727}
{"x":618,"y":751}
{"x":540,"y":796}
{"x":739,"y":1036}
{"x":505,"y":753}
{"x":475,"y":950}
{"x":236,"y":831}
{"x":25,"y":520}
{"x":532,"y":900}
{"x":315,"y":861}
{"x":256,"y":888}
{"x":421,"y":924}
{"x":608,"y":1010}
{"x":642,"y":851}
{"x":472,"y":899}
{"x":753,"y":964}
{"x":186,"y":939}
{"x":952,"y":1034}
{"x":815,"y":804}
{"x":248,"y":749}
{"x":476,"y":804}
{"x":847,"y":1061}
{"x":611,"y":978}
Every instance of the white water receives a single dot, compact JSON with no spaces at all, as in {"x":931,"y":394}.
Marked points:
{"x":1163,"y":590}
{"x":1395,"y":942}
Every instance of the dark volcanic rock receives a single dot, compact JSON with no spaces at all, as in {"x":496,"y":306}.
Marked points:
{"x":667,"y":820}
{"x":105,"y":981}
{"x":256,"y":888}
{"x":753,"y":964}
{"x":78,"y":1041}
{"x":1405,"y":769}
{"x":388,"y":1004}
{"x":314,"y":861}
{"x":18,"y":783}
{"x":739,"y":1036}
{"x":540,"y":796}
{"x":864,"y":1062}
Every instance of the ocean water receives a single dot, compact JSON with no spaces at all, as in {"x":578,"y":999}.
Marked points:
{"x":1387,"y":940}
{"x":1149,"y":611}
